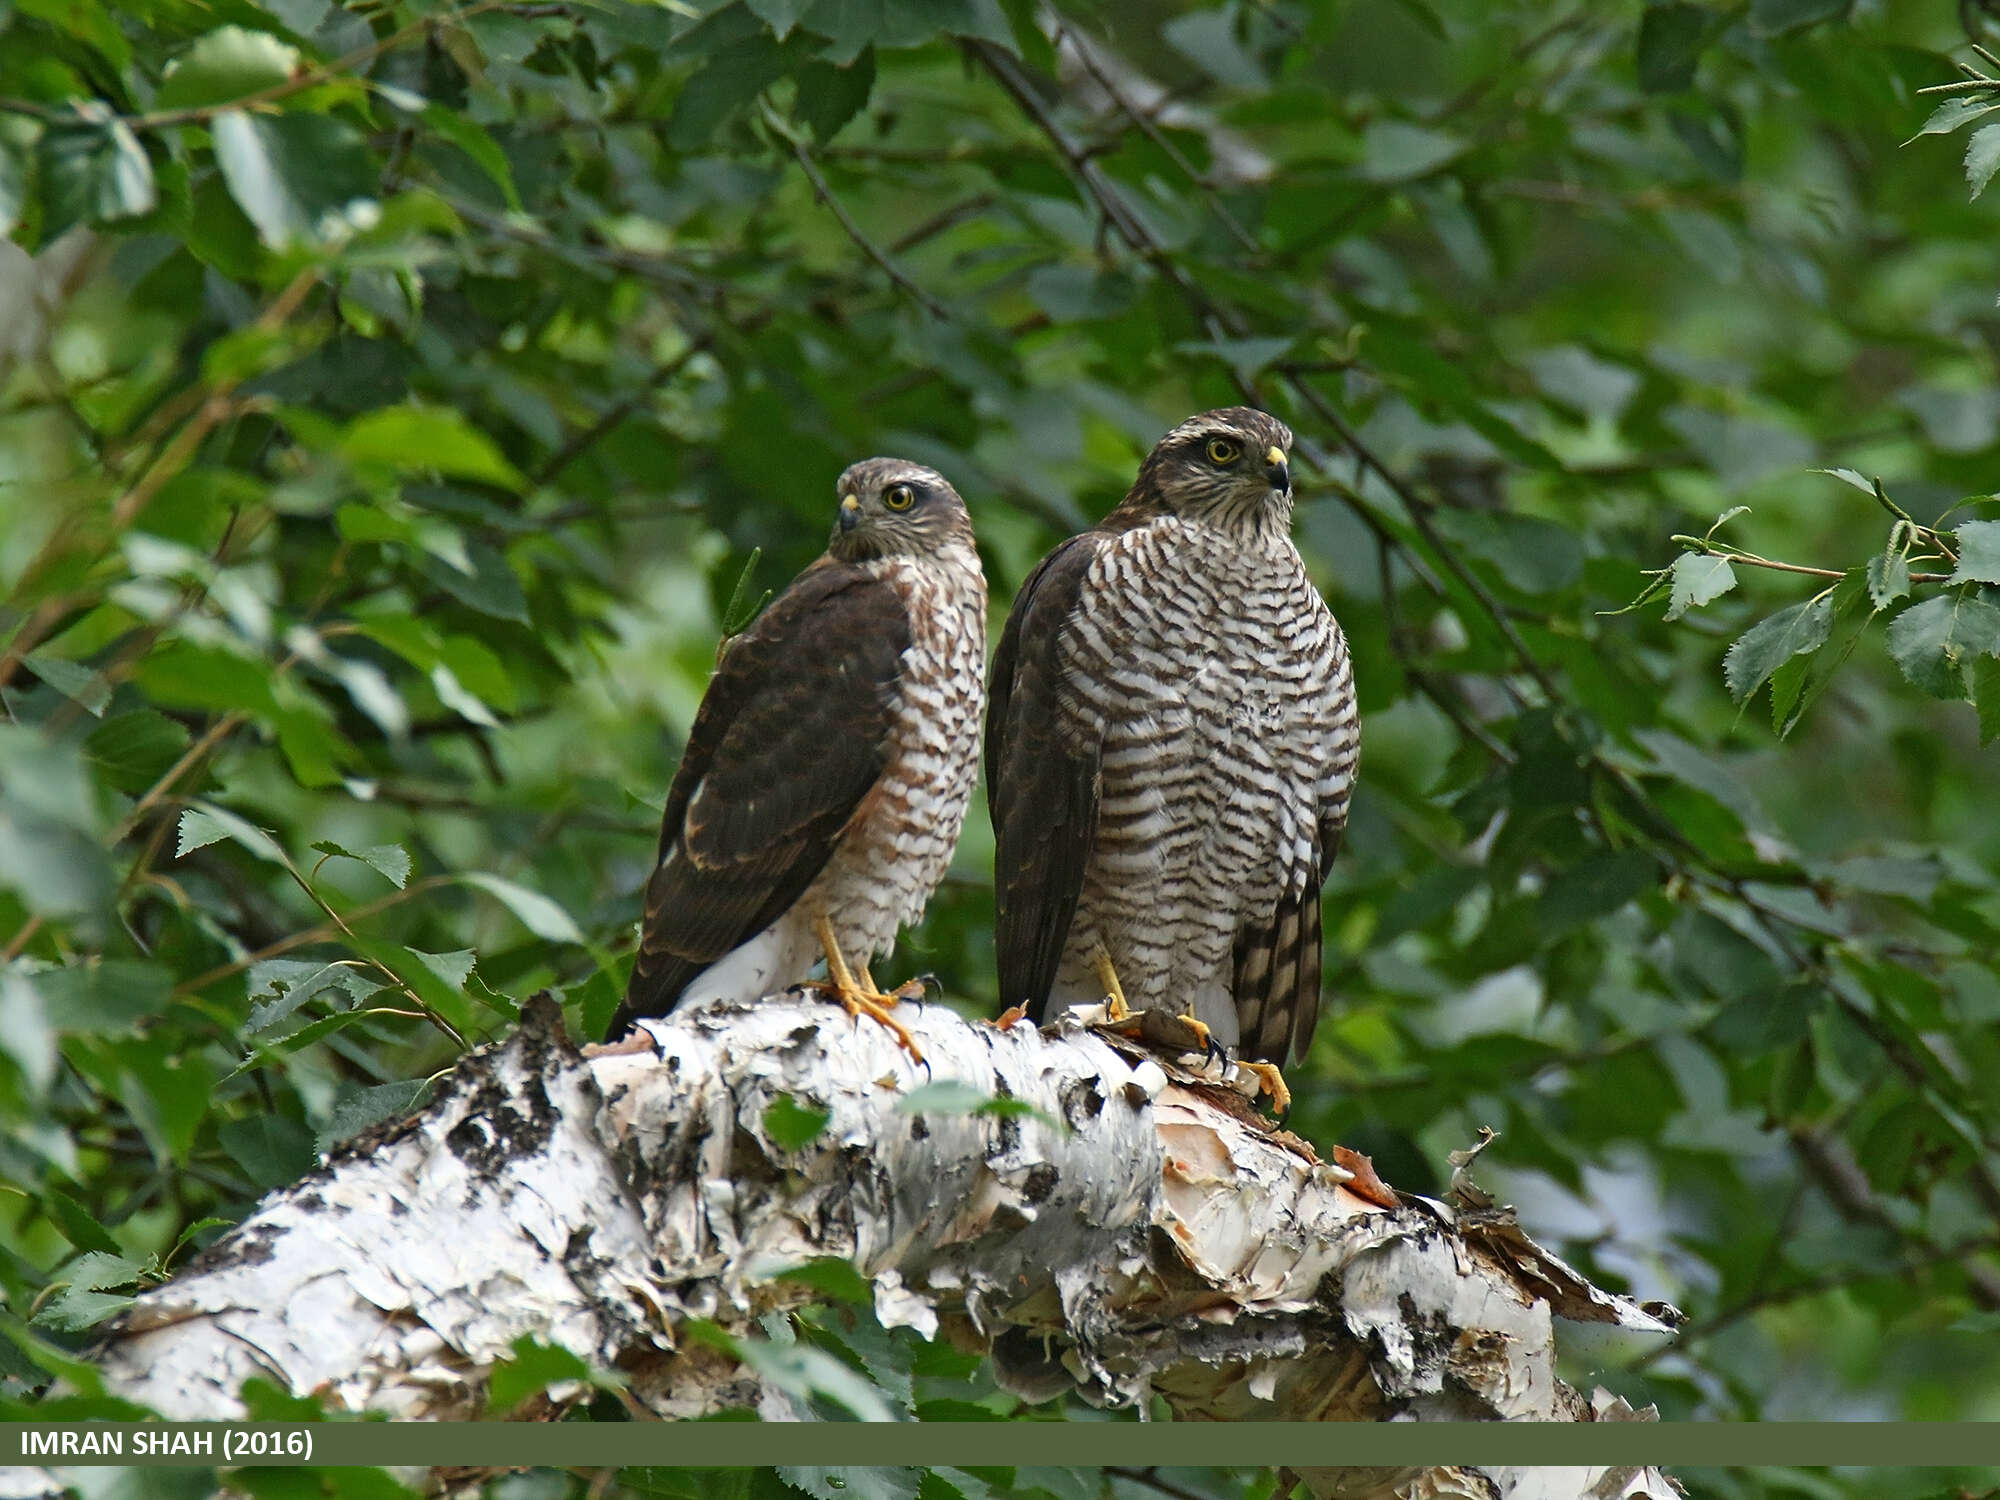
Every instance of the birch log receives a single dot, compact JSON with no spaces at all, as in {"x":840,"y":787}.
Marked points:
{"x":1123,"y":1229}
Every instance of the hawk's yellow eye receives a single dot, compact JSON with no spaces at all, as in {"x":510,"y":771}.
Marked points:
{"x":899,"y":497}
{"x":1223,"y":451}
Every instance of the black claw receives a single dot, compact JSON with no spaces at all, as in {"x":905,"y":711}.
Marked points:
{"x":1216,"y":1052}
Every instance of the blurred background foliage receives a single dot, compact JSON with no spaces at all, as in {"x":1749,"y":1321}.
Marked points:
{"x":392,"y":395}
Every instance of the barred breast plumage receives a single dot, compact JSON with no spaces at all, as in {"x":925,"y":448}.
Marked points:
{"x":1171,"y":748}
{"x":903,"y":835}
{"x":1218,"y":684}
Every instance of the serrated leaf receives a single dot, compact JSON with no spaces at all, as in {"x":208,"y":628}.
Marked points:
{"x":1935,"y":642}
{"x":1978,"y":553}
{"x":1698,"y":579}
{"x":1962,"y":109}
{"x":369,"y":1106}
{"x":290,"y":983}
{"x":1771,"y":642}
{"x":789,"y":1123}
{"x":76,"y":1310}
{"x":391,"y":861}
{"x":1982,"y":157}
{"x":541,"y":916}
{"x":99,"y":1271}
{"x":1888,"y":578}
{"x":77,"y":1224}
{"x":205,"y":824}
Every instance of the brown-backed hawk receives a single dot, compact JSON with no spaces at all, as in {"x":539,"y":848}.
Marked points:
{"x":1170,"y":749}
{"x":830,"y":764}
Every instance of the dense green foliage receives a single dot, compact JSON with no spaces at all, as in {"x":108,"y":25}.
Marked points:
{"x":392,"y":396}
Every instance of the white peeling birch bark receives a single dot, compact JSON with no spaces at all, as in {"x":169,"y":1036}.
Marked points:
{"x":1138,"y":1235}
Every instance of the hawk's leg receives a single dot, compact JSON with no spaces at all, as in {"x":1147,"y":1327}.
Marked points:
{"x":1114,"y":992}
{"x":864,"y":999}
{"x":1272,"y":1082}
{"x":1156,"y":1028}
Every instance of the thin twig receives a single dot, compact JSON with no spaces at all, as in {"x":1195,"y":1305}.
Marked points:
{"x":826,"y":195}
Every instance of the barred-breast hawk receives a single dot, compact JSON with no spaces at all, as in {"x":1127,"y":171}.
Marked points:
{"x":1169,"y":752}
{"x":830,"y":764}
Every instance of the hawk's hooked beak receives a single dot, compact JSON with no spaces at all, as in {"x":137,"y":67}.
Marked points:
{"x":850,"y":512}
{"x":1277,"y":470}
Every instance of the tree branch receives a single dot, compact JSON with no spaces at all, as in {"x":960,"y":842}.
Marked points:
{"x":1123,"y":1230}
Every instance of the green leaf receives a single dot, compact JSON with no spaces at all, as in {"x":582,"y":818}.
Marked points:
{"x":829,"y":96}
{"x":83,"y":685}
{"x":1959,"y":110}
{"x":204,"y":823}
{"x":949,"y":1096}
{"x":428,"y":439}
{"x":1850,"y":476}
{"x":790,"y":1124}
{"x":491,"y":587}
{"x":86,"y":20}
{"x":1986,"y":697}
{"x":855,"y":24}
{"x":1698,"y":579}
{"x":1982,"y":157}
{"x":302,"y":179}
{"x":1888,"y":578}
{"x":740,"y":610}
{"x":1936,"y":641}
{"x":106,"y":994}
{"x":1772,"y":17}
{"x":272,"y":1149}
{"x":77,"y":1309}
{"x":780,"y":15}
{"x":472,"y":138}
{"x":535,"y":1367}
{"x":93,"y":170}
{"x":541,"y":916}
{"x":226,"y":64}
{"x":730,"y":78}
{"x":1671,"y":40}
{"x":1396,"y":151}
{"x":1595,"y":888}
{"x":830,"y":1276}
{"x":1771,"y":642}
{"x":76,"y":1223}
{"x":291,"y":982}
{"x":369,"y":1106}
{"x":392,"y":861}
{"x":1978,"y":553}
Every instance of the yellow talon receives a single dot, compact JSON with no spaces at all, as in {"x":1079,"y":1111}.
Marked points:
{"x":864,"y":999}
{"x":1271,"y":1082}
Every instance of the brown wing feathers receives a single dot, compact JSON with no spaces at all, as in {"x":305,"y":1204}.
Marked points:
{"x":790,"y":737}
{"x":1042,"y":791}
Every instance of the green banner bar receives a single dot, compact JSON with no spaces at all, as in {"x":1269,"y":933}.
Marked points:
{"x":738,"y":1444}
